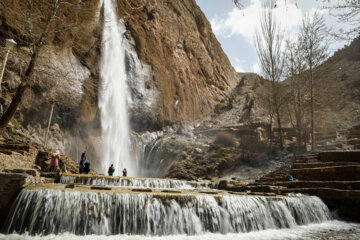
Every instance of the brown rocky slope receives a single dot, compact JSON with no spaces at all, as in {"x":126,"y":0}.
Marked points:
{"x":187,"y":66}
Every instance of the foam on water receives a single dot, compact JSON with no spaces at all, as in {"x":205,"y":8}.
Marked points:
{"x":326,"y":230}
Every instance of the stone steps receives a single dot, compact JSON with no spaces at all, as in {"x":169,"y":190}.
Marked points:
{"x":340,"y":173}
{"x":306,"y":158}
{"x":322,"y":164}
{"x":334,"y":176}
{"x":343,"y":185}
{"x":340,"y":156}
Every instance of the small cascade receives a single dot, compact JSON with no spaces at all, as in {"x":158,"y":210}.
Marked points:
{"x":134,"y":182}
{"x":45,"y":211}
{"x":153,"y":157}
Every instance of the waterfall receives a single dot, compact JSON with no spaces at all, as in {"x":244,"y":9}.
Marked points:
{"x":44,"y":211}
{"x":113,"y":95}
{"x":136,"y":182}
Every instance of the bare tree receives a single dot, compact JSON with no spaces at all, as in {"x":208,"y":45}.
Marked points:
{"x":268,"y":44}
{"x":295,"y":67}
{"x":38,"y":23}
{"x":313,"y":36}
{"x":347,"y":11}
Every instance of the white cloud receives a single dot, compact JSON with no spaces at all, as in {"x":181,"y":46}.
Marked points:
{"x":244,"y":21}
{"x":239,"y":68}
{"x":256,"y":68}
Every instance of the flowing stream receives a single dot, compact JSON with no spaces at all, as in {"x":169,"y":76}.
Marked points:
{"x":113,"y":95}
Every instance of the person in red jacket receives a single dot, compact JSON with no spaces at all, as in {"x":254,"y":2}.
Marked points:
{"x":54,"y":161}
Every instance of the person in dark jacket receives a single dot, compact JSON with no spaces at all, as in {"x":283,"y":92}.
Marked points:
{"x":82,"y":162}
{"x":86,"y":169}
{"x":111,"y":170}
{"x":124,"y":172}
{"x":81,"y":166}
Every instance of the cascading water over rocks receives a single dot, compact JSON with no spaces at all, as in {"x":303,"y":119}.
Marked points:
{"x":41,"y":211}
{"x":161,"y":183}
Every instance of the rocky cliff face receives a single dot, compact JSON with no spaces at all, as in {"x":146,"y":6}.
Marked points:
{"x":177,"y":69}
{"x":187,"y":64}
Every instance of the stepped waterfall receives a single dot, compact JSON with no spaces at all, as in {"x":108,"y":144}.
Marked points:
{"x":103,"y":207}
{"x":113,"y":95}
{"x":43,"y":211}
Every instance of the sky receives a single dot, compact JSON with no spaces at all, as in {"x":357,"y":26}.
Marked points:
{"x":234,"y":27}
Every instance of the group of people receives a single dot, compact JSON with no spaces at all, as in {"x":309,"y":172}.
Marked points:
{"x":112,"y":170}
{"x":84,"y":166}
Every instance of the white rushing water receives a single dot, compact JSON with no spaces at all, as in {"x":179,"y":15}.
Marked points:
{"x":113,"y":95}
{"x":136,"y":182}
{"x":84,"y":213}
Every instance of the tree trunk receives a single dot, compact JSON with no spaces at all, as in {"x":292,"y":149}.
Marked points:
{"x":312,"y":111}
{"x":271,"y":135}
{"x":49,"y":124}
{"x":281,"y":138}
{"x":16,"y":100}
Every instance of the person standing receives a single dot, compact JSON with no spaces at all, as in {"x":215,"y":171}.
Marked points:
{"x":111,"y":170}
{"x":54,"y":163}
{"x":124,"y":172}
{"x":86,"y":169}
{"x":82,"y":162}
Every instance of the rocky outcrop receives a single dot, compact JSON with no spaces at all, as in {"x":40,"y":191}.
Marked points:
{"x":246,"y":104}
{"x":17,"y":155}
{"x":10,"y":186}
{"x":182,"y":65}
{"x":187,"y":63}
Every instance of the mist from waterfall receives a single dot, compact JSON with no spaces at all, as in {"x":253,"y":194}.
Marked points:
{"x":113,"y":95}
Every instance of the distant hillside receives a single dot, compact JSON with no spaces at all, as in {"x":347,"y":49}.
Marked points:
{"x":338,"y":88}
{"x":337,"y":93}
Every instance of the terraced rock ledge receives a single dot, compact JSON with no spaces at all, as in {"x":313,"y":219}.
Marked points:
{"x":133,"y":181}
{"x":334,"y":176}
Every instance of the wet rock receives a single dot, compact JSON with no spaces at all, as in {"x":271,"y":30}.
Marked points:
{"x":28,"y":171}
{"x":170,"y":191}
{"x":141,"y":190}
{"x":10,"y":186}
{"x":71,"y":185}
{"x":198,"y":150}
{"x":101,"y":188}
{"x":223,"y":184}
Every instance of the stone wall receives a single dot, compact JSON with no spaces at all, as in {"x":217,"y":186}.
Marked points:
{"x":17,"y":156}
{"x":10,"y":186}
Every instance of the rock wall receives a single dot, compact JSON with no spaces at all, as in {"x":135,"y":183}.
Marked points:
{"x":10,"y":186}
{"x":187,"y":64}
{"x":182,"y":73}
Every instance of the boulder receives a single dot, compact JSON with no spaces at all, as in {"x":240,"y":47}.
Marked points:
{"x":10,"y":186}
{"x":223,"y":184}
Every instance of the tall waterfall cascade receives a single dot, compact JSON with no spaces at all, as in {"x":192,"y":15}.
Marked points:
{"x":46,"y":211}
{"x":113,"y":95}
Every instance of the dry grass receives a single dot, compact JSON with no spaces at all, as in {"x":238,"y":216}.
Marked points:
{"x":225,"y":139}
